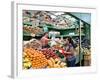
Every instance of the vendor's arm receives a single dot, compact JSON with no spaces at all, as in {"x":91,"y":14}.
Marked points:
{"x":70,"y":51}
{"x":47,"y":39}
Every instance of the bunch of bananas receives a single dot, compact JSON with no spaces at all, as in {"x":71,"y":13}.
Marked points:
{"x":26,"y":62}
{"x":56,"y":63}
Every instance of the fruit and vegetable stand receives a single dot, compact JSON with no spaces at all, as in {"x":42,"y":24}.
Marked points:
{"x":61,"y":27}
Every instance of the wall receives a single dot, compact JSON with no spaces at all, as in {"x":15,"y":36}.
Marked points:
{"x":5,"y":37}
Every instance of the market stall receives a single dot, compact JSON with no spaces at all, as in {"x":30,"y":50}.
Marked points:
{"x":55,"y":40}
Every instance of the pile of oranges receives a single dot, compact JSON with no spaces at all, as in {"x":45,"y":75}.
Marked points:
{"x":37,"y":59}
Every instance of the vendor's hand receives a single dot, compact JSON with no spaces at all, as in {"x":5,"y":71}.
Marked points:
{"x":68,"y":53}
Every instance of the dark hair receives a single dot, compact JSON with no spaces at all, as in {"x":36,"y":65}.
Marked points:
{"x":45,"y":33}
{"x":71,"y":41}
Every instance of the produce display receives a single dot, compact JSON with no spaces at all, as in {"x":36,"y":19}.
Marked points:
{"x":39,"y":61}
{"x":87,"y":57}
{"x":63,"y":23}
{"x":56,"y":63}
{"x":51,"y":39}
{"x":87,"y":54}
{"x":35,"y":44}
{"x":49,"y":53}
{"x":26,"y":61}
{"x":32,"y":30}
{"x":36,"y":58}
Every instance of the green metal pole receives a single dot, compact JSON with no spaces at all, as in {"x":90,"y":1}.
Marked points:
{"x":80,"y":42}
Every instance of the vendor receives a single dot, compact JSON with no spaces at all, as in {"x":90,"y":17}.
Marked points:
{"x":44,"y":40}
{"x":69,"y":48}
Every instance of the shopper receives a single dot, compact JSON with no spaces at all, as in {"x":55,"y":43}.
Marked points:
{"x":44,"y":40}
{"x":69,"y":52}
